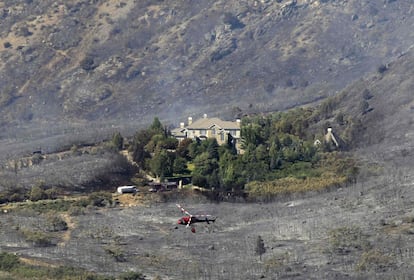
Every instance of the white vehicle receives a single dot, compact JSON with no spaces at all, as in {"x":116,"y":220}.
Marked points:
{"x":127,"y":189}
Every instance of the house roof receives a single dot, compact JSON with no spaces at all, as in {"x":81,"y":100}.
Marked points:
{"x":178,"y":132}
{"x":206,"y":123}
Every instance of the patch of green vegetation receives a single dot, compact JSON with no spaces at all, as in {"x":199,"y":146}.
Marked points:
{"x":17,"y":270}
{"x":38,"y":238}
{"x":44,"y":206}
{"x":278,"y":155}
{"x":55,"y":223}
{"x":288,"y":185}
{"x":99,"y":199}
{"x":299,"y":170}
{"x":72,"y":205}
{"x":8,"y":261}
{"x":11,"y":268}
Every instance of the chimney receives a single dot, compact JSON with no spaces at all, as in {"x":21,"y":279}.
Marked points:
{"x":329,"y":137}
{"x":190,"y":120}
{"x":205,"y":116}
{"x":181,"y":125}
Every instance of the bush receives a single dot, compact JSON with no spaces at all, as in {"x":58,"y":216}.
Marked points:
{"x":374,"y":260}
{"x":38,"y":238}
{"x":100,"y":199}
{"x":88,"y":63}
{"x":37,"y":193}
{"x":382,"y":68}
{"x":131,"y":276}
{"x":232,"y":20}
{"x":56,"y":223}
{"x":7,"y":45}
{"x":8,"y":261}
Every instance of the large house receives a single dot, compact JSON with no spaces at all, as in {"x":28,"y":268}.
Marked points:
{"x":209,"y":128}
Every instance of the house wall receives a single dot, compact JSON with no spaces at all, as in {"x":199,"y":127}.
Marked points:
{"x":211,"y":133}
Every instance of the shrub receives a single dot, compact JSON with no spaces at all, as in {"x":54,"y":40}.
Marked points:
{"x":56,"y":223}
{"x":382,"y":68}
{"x":38,"y":238}
{"x":37,"y":193}
{"x":52,"y":193}
{"x":100,"y":199}
{"x":88,"y":63}
{"x":232,"y":20}
{"x":117,"y":141}
{"x":8,"y":261}
{"x":131,"y":276}
{"x":7,"y":45}
{"x":374,"y":260}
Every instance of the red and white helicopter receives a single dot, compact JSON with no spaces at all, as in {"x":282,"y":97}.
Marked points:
{"x":190,"y":219}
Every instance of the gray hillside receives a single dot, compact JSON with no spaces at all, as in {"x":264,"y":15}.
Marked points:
{"x":65,"y":64}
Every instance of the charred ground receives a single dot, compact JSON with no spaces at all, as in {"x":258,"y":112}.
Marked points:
{"x":363,"y":231}
{"x":66,"y":64}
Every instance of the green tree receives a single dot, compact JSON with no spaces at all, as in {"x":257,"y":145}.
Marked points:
{"x":231,"y":144}
{"x":137,"y":148}
{"x":251,"y":135}
{"x":212,"y":148}
{"x":183,"y":148}
{"x":194,"y":149}
{"x":206,"y":170}
{"x":230,"y":172}
{"x":117,"y":141}
{"x":161,"y":164}
{"x":37,"y":192}
{"x":157,"y":127}
{"x":274,"y":155}
{"x":180,"y":166}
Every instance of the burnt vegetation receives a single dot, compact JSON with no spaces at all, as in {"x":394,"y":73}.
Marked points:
{"x":74,"y":73}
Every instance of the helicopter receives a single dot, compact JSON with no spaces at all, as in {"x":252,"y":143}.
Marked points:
{"x":190,"y":219}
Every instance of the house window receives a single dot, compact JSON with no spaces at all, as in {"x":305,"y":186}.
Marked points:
{"x":222,"y":136}
{"x":203,"y":132}
{"x":213,"y":131}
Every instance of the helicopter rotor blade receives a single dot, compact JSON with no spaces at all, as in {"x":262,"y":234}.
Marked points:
{"x":183,"y":210}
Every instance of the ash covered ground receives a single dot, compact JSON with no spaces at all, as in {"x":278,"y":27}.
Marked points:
{"x":363,"y":231}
